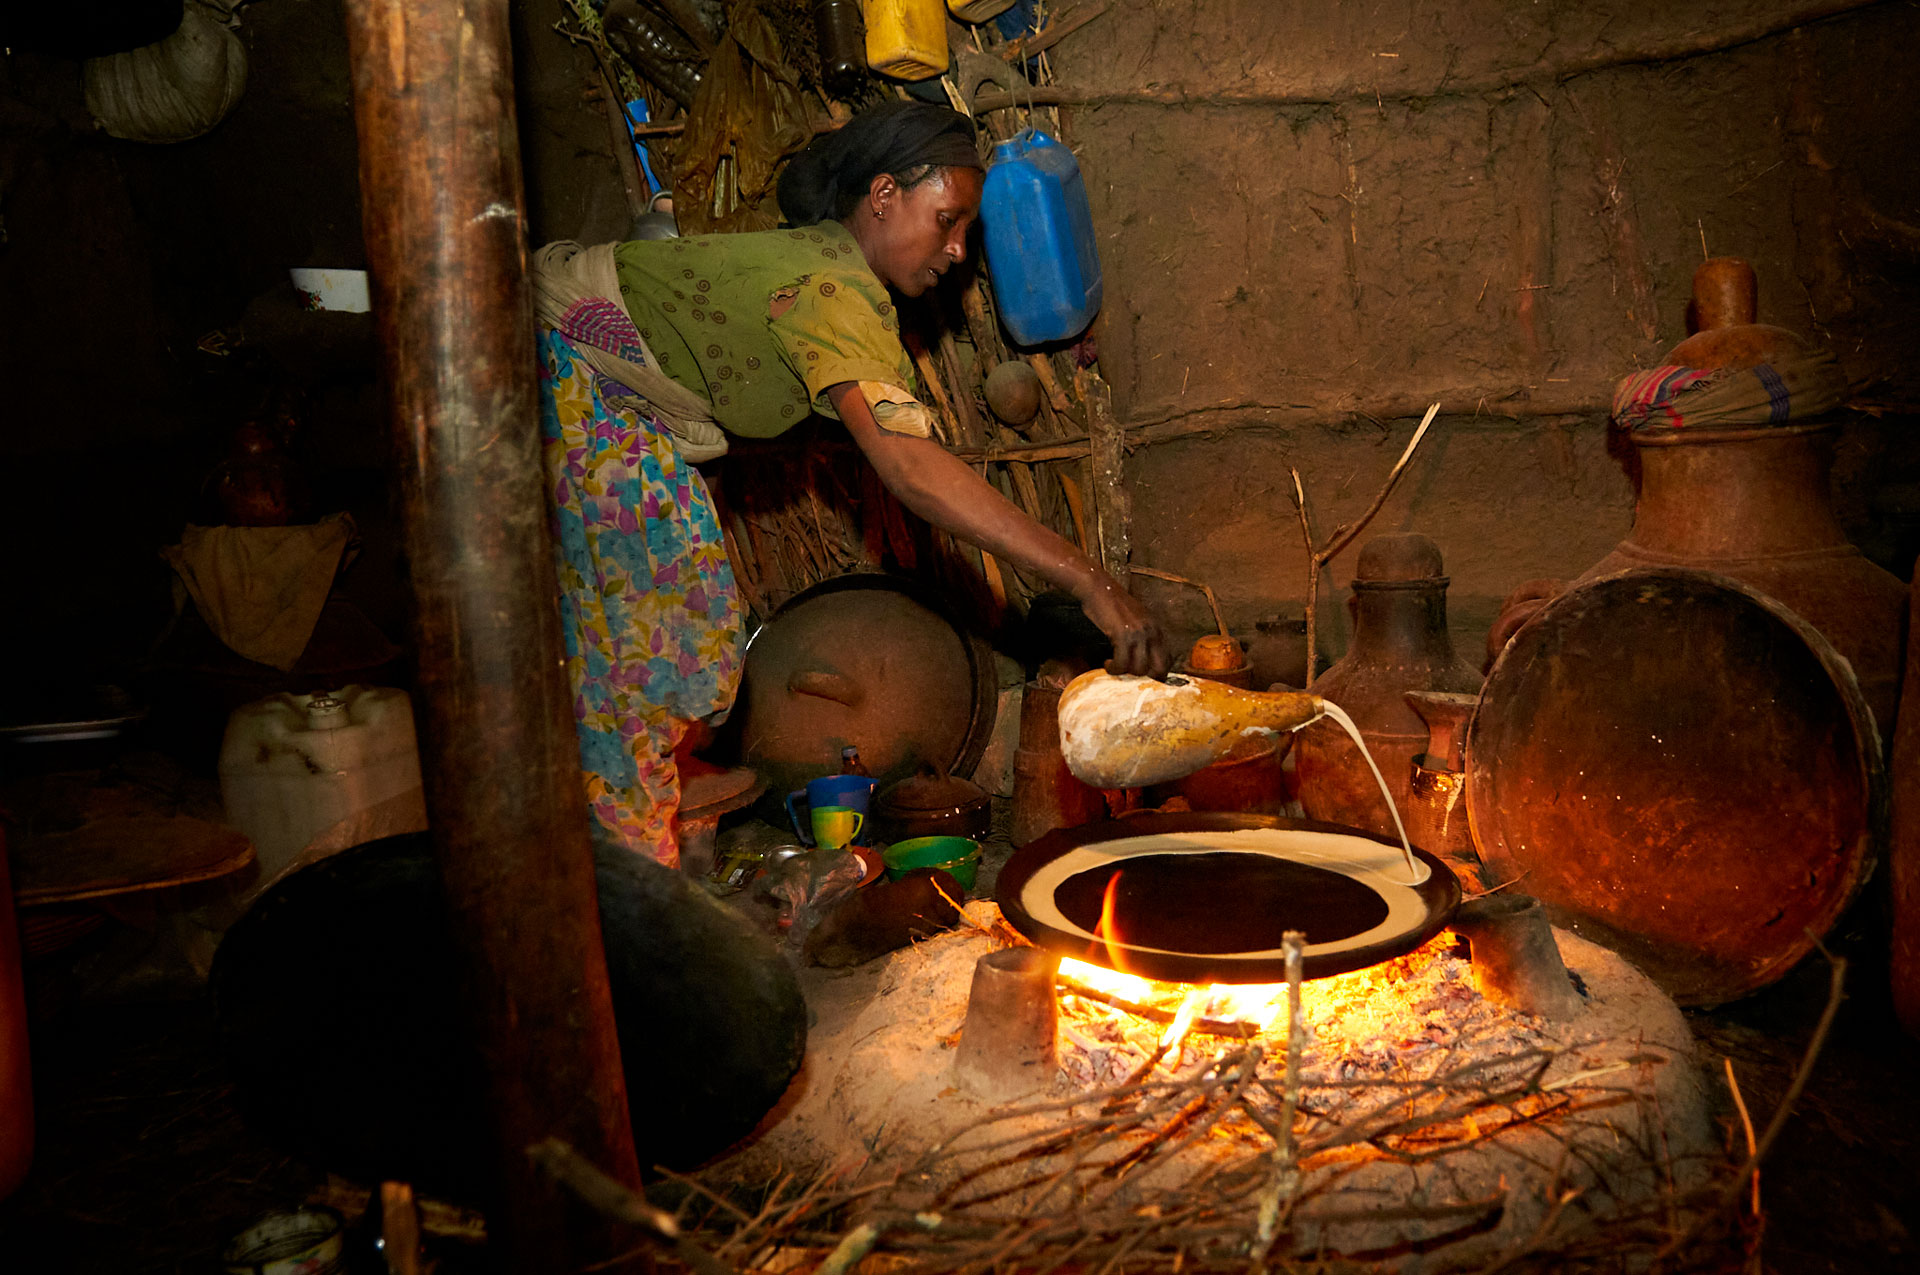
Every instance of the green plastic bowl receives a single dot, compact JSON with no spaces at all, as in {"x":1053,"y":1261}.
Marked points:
{"x":957,"y":855}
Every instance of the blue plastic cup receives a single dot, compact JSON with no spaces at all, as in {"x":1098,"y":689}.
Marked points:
{"x":848,"y":792}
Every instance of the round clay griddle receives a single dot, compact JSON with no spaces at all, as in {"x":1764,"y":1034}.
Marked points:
{"x":1205,"y":898}
{"x":1681,"y":769}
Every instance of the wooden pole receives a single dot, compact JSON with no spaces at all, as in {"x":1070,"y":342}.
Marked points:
{"x":443,"y":211}
{"x":1112,"y":510}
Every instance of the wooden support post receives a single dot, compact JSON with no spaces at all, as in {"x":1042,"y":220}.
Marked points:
{"x":443,"y":212}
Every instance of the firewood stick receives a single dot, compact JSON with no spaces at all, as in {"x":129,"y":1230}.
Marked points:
{"x":399,"y":1229}
{"x":1076,"y":506}
{"x":609,"y":1198}
{"x":996,"y":583}
{"x":962,"y":391}
{"x":1059,"y":29}
{"x":1111,"y":512}
{"x":1344,"y":534}
{"x":1028,"y":490}
{"x":1043,"y":367}
{"x":923,"y":363}
{"x":980,"y":326}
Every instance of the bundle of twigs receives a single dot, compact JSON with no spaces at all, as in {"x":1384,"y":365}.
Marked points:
{"x":1204,"y":1172}
{"x":1228,"y":1167}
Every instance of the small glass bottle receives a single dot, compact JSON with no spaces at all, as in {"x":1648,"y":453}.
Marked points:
{"x":850,"y":763}
{"x":842,"y":37}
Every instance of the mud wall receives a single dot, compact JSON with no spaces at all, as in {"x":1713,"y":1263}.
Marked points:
{"x":1316,"y":218}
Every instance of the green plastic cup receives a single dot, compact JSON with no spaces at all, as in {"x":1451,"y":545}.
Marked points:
{"x":959,"y":856}
{"x":835,"y":826}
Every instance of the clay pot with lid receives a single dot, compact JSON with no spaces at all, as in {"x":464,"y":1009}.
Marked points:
{"x":1400,"y":644}
{"x":1756,"y":503}
{"x":1219,"y":658}
{"x":932,"y":805}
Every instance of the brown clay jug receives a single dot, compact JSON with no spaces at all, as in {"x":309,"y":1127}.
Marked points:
{"x":1436,"y":808}
{"x":1400,"y":644}
{"x":1756,"y":504}
{"x":1045,"y":793}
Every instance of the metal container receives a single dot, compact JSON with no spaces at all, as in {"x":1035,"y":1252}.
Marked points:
{"x":308,"y":1241}
{"x":870,"y":661}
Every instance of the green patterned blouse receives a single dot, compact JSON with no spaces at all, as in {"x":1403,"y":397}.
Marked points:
{"x":762,"y":323}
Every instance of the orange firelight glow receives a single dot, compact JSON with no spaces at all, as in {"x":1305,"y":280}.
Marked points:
{"x":1259,"y":1004}
{"x":1108,"y":930}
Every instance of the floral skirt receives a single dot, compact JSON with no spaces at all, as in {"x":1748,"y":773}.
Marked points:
{"x":647,"y":599}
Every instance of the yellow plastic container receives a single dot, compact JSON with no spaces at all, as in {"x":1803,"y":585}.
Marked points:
{"x":906,"y":39}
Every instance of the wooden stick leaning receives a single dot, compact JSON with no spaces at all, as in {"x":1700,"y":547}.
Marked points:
{"x":1219,"y":620}
{"x":1344,"y":534}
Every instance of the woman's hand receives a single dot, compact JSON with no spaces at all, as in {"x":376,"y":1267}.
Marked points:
{"x":1138,"y":645}
{"x":930,"y":481}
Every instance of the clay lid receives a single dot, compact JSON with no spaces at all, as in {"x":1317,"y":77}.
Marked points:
{"x":1402,"y":558}
{"x":1722,"y":317}
{"x":870,"y":661}
{"x":1708,"y":827}
{"x":928,"y":792}
{"x":1216,"y":653}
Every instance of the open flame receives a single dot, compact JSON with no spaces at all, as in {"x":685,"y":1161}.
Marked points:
{"x":1259,"y":1004}
{"x":1108,"y":930}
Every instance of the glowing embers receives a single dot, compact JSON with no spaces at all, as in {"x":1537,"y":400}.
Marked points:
{"x":1243,"y":1009}
{"x":1221,"y":1009}
{"x":1115,"y":1027}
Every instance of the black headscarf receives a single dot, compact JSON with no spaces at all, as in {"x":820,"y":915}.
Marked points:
{"x":825,"y":179}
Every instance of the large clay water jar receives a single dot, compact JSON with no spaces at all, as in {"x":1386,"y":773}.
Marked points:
{"x":1400,"y":644}
{"x":1755,"y":504}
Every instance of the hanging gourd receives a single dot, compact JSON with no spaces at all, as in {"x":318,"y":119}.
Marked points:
{"x":174,"y":90}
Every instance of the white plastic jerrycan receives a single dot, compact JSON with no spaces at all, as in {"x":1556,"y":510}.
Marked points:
{"x":337,"y":768}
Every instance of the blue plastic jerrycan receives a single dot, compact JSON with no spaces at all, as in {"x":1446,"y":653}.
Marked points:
{"x":1039,"y":240}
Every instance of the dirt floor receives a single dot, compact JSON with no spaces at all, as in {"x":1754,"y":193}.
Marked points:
{"x":145,"y":1165}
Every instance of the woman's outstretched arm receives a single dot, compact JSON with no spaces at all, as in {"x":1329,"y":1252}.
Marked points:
{"x":942,"y":489}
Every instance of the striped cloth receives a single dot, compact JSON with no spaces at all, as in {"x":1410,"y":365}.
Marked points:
{"x":1790,"y":388}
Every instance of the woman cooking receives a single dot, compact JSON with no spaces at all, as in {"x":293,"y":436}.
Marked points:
{"x":653,"y":351}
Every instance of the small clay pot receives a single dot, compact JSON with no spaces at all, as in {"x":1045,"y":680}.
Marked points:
{"x":930,"y":805}
{"x":1220,"y":658}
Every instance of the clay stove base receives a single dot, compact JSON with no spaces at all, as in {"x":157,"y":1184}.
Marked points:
{"x":878,"y":1087}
